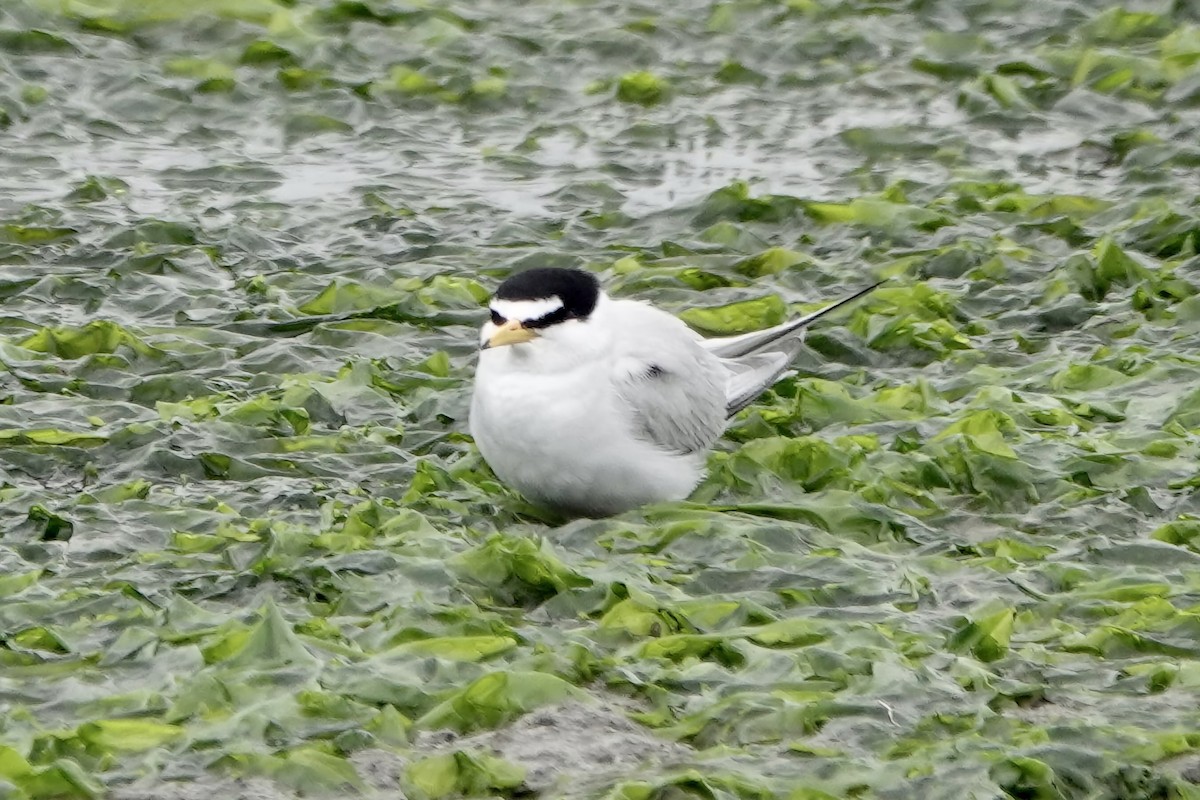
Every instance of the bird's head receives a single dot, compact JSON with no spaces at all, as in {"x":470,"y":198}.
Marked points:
{"x":544,"y":303}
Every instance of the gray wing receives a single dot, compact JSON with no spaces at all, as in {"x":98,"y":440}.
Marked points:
{"x":672,"y":388}
{"x":755,"y":341}
{"x":679,"y":409}
{"x":753,"y":369}
{"x":680,"y":389}
{"x":752,"y":375}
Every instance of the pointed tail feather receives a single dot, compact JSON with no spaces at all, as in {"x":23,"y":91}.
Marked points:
{"x":751,"y":377}
{"x":747,"y":343}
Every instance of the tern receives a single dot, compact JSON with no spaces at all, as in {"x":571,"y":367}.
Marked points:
{"x":590,"y":405}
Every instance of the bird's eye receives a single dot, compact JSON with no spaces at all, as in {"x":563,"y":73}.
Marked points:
{"x":497,"y":318}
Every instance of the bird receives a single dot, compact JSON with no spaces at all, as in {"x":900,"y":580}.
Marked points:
{"x":590,"y":406}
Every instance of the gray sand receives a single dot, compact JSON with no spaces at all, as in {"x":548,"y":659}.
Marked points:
{"x":566,"y":749}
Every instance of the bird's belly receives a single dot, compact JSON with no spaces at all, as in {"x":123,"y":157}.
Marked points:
{"x":562,"y":444}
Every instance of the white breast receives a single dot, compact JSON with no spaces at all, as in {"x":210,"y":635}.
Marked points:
{"x":562,"y":439}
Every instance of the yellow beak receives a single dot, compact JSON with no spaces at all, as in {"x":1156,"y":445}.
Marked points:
{"x":511,"y":332}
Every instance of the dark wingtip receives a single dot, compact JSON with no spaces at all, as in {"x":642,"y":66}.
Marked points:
{"x":811,"y":318}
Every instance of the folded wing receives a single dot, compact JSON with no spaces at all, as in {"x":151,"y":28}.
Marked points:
{"x":752,"y":367}
{"x":673,"y":389}
{"x":756,"y":341}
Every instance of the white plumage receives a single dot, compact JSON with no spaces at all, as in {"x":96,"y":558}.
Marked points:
{"x":597,"y":410}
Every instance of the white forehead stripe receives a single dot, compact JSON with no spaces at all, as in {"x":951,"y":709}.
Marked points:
{"x":526,"y":310}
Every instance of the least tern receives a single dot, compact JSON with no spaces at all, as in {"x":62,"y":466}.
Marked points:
{"x":591,"y":406}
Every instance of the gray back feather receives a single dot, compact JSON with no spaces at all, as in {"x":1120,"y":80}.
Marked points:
{"x":679,"y":409}
{"x":673,"y":388}
{"x":680,"y":389}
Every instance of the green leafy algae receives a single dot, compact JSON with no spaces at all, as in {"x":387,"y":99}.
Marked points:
{"x":243,"y":260}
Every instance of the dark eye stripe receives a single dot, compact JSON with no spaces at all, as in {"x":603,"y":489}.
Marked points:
{"x":497,"y":319}
{"x":558,"y":315}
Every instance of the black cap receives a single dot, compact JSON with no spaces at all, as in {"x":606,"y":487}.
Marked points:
{"x":578,"y":291}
